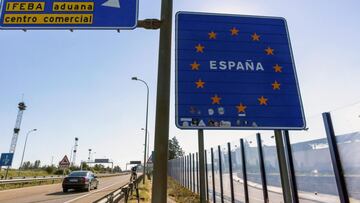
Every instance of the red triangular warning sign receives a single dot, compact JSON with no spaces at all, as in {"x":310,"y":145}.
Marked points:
{"x":65,"y":161}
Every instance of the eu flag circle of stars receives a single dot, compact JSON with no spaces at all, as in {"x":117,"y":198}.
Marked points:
{"x":216,"y":99}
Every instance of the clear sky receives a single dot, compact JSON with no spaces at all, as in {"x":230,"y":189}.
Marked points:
{"x":78,"y":84}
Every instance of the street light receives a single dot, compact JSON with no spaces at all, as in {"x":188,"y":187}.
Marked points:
{"x":146,"y":124}
{"x":148,"y":147}
{"x":22,"y":158}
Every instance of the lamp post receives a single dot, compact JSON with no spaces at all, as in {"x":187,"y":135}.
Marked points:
{"x":148,"y":148}
{"x":22,"y":158}
{"x":146,"y":124}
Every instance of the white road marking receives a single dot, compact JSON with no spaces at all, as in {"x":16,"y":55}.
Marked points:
{"x":90,"y":193}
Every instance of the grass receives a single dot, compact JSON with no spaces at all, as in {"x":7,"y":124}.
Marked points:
{"x":33,"y":183}
{"x":144,"y":192}
{"x":181,"y":194}
{"x":15,"y":173}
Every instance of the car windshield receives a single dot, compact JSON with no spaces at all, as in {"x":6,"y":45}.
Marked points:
{"x":78,"y":173}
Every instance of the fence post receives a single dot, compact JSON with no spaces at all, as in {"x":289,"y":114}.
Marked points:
{"x":335,"y":158}
{"x":243,"y":160}
{"x":262,"y":168}
{"x":193,"y":170}
{"x":231,"y":174}
{"x":213,"y":175}
{"x":190,"y":173}
{"x":295,"y":196}
{"x":284,"y":175}
{"x":206,"y":177}
{"x":221,"y":178}
{"x":197,"y":174}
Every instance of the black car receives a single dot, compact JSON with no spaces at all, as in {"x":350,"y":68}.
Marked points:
{"x":80,"y":180}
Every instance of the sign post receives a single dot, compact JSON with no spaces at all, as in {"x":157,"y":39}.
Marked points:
{"x":236,"y":72}
{"x":75,"y":14}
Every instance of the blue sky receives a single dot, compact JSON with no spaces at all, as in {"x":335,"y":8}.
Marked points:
{"x":78,"y":84}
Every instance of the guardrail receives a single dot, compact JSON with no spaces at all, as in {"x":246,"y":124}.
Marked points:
{"x":43,"y":179}
{"x":122,"y":192}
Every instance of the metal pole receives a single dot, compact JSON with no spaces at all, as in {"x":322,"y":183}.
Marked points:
{"x":193,"y":171}
{"x":220,"y":173}
{"x":197,"y":173}
{"x":213,"y":175}
{"x":189,"y":172}
{"x":243,"y":160}
{"x":284,"y":173}
{"x":202,"y":165}
{"x":335,"y":159}
{"x":206,"y":177}
{"x":146,"y":124}
{"x":159,"y":189}
{"x":231,"y":174}
{"x":262,"y":168}
{"x":293,"y":186}
{"x":22,"y":157}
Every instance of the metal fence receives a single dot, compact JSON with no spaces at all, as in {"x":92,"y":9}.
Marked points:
{"x":248,"y":170}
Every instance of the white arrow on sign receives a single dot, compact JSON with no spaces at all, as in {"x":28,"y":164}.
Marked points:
{"x":7,"y":160}
{"x":112,"y":3}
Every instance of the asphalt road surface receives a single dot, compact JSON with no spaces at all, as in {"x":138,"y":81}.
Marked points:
{"x":53,"y":193}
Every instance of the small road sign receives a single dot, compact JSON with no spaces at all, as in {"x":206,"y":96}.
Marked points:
{"x":135,"y":162}
{"x":101,"y":161}
{"x":64,"y":163}
{"x":6,"y":159}
{"x":74,"y":14}
{"x":235,"y":72}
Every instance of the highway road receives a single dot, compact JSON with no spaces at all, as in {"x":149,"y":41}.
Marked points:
{"x":53,"y":193}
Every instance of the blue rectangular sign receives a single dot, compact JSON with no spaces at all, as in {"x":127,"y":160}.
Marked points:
{"x":69,"y":14}
{"x":235,"y":72}
{"x":6,"y":159}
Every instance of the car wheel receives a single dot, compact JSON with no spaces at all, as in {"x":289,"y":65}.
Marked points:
{"x":96,"y":186}
{"x":65,"y":189}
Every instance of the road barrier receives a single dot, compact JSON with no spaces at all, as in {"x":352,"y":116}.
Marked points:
{"x":43,"y":179}
{"x":124,"y":192}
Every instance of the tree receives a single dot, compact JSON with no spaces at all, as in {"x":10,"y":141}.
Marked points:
{"x":175,"y":151}
{"x":37,"y":164}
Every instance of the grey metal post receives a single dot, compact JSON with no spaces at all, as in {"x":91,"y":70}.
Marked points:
{"x":193,"y":172}
{"x":197,"y":172}
{"x":159,"y":189}
{"x":293,"y":188}
{"x":284,"y":173}
{"x":335,"y":158}
{"x":213,"y":175}
{"x":201,"y":165}
{"x":206,"y":176}
{"x":146,"y":125}
{"x":190,"y":173}
{"x":220,"y":173}
{"x":243,"y":161}
{"x":231,"y":174}
{"x":262,"y":168}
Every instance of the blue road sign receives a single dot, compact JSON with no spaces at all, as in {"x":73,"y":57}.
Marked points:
{"x":235,"y":72}
{"x":74,"y":14}
{"x":6,"y":159}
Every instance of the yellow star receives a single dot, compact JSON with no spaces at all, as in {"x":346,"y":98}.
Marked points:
{"x":269,"y":51}
{"x":215,"y":99}
{"x":195,"y":66}
{"x":276,"y":85}
{"x":234,"y":31}
{"x":263,"y":100}
{"x":241,"y":108}
{"x":199,"y":48}
{"x":212,"y":35}
{"x":278,"y":69}
{"x":200,"y":84}
{"x":255,"y":37}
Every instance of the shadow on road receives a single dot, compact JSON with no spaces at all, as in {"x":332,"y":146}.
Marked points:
{"x":65,"y":193}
